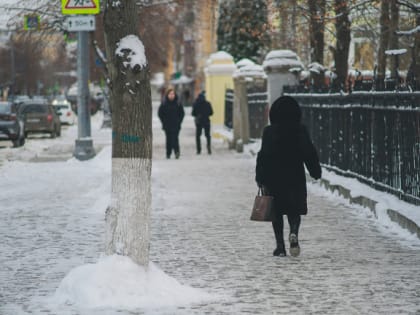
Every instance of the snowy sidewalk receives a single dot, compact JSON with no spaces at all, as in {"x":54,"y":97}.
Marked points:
{"x":52,"y":220}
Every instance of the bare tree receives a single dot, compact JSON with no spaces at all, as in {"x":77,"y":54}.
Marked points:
{"x":341,"y":51}
{"x":393,"y":37}
{"x":383,"y":45}
{"x":316,"y":29}
{"x":128,"y":216}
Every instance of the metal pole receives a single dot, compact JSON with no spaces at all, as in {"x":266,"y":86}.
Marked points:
{"x":12,"y":67}
{"x":84,"y":145}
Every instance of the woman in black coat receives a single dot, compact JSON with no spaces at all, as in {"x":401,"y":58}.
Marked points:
{"x":286,"y":147}
{"x":171,"y":114}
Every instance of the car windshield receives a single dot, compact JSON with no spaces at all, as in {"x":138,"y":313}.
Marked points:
{"x":5,"y":108}
{"x":36,"y":108}
{"x":58,"y":107}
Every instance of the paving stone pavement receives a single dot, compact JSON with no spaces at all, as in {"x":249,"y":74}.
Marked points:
{"x":202,"y":236}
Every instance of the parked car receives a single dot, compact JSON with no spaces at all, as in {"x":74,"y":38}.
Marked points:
{"x":66,"y":114}
{"x":11,"y":124}
{"x":41,"y":118}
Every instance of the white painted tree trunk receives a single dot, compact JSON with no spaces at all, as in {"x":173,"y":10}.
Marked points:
{"x":128,"y":217}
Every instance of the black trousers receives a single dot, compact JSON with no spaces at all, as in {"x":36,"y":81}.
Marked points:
{"x":294,"y":223}
{"x":172,"y":142}
{"x":198,"y":130}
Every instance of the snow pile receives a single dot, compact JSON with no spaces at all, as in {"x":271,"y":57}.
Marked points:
{"x":250,"y":71}
{"x":220,"y":55}
{"x":278,"y":59}
{"x":316,"y":67}
{"x":220,"y":63}
{"x":384,"y":201}
{"x":117,"y":282}
{"x":244,"y":62}
{"x":132,"y":47}
{"x":395,"y":52}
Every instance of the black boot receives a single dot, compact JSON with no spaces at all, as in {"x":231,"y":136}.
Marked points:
{"x":294,"y":221}
{"x":278,"y":233}
{"x":280,"y":250}
{"x":294,"y":245}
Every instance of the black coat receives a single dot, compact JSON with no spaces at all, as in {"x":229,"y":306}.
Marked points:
{"x":171,"y":114}
{"x":202,"y":110}
{"x":285,"y":148}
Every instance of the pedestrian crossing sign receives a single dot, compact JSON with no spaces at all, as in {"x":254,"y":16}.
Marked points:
{"x":80,"y":6}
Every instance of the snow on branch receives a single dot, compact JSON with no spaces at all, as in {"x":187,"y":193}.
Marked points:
{"x":132,"y":50}
{"x":410,"y":32}
{"x":99,"y":52}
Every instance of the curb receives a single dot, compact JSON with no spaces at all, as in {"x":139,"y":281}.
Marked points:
{"x":366,"y":202}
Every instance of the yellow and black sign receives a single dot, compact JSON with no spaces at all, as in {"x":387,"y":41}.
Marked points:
{"x":80,"y":6}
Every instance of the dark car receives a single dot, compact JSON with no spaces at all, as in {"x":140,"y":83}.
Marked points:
{"x":41,"y":118}
{"x":11,"y":124}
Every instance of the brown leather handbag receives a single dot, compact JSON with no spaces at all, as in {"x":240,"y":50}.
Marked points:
{"x":262,"y":209}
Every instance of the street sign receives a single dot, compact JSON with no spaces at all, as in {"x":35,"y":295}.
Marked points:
{"x":81,"y":23}
{"x":31,"y":22}
{"x":80,"y":6}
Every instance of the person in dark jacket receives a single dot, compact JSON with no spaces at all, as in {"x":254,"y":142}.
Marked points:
{"x":171,"y":114}
{"x":286,"y":147}
{"x":201,"y":111}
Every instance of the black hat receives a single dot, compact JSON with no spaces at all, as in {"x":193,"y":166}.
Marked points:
{"x":285,"y":109}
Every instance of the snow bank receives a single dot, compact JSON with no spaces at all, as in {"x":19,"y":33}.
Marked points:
{"x":117,"y":282}
{"x":133,"y":45}
{"x":384,"y":201}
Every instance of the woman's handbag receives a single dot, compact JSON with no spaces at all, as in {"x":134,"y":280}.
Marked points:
{"x":262,"y":210}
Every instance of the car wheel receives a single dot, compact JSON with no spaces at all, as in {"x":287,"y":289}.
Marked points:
{"x":26,"y":134}
{"x":16,"y":143}
{"x":53,"y":134}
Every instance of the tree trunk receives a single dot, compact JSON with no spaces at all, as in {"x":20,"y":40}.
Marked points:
{"x":128,"y":216}
{"x":393,"y":37}
{"x":316,"y":30}
{"x":293,"y":25}
{"x":341,"y":55}
{"x":416,"y":61}
{"x":383,"y":45}
{"x":284,"y":26}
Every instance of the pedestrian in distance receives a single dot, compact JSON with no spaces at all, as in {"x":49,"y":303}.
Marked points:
{"x":171,"y":114}
{"x":286,"y":147}
{"x":202,"y":111}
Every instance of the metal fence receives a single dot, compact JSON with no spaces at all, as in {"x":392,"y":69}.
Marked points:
{"x":257,"y":111}
{"x":372,"y":136}
{"x":229,"y":108}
